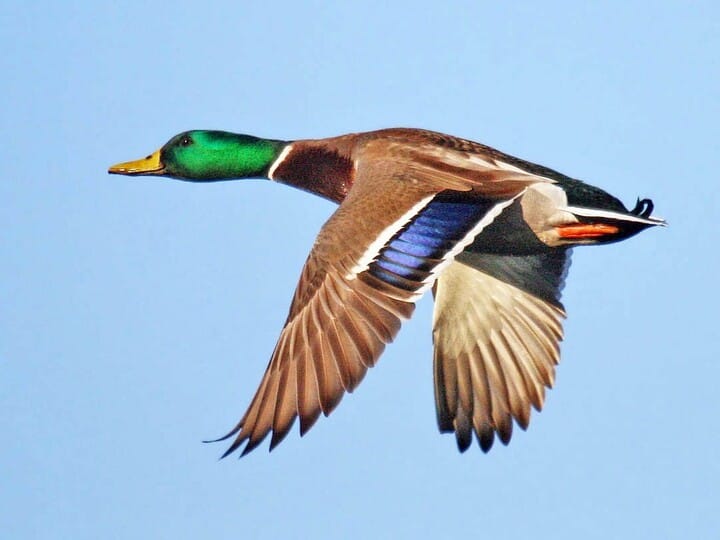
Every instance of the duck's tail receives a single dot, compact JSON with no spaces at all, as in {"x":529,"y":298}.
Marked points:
{"x":599,"y":225}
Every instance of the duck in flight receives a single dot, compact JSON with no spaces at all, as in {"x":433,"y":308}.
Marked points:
{"x":489,"y":234}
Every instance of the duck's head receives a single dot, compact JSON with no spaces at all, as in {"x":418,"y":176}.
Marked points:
{"x":203,"y":155}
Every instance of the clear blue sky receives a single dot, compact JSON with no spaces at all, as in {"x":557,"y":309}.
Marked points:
{"x":137,"y":315}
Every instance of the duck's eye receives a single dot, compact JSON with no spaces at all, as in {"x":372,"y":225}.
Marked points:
{"x":185,"y":141}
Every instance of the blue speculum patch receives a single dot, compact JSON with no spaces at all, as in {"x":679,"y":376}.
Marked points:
{"x":409,"y":257}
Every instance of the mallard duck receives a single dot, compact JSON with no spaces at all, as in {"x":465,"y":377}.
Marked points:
{"x":488,"y":233}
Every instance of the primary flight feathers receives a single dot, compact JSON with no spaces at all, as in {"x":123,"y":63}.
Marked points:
{"x":490,"y":234}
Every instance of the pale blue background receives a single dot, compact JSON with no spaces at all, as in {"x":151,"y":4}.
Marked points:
{"x":137,"y":315}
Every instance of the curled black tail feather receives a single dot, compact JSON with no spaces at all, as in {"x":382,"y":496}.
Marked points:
{"x":643,"y":208}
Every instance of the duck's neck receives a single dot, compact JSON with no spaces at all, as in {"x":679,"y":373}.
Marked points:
{"x":315,"y":167}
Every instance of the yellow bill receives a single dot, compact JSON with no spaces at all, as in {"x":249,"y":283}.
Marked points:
{"x":147,"y":165}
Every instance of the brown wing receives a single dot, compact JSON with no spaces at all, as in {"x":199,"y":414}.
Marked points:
{"x":323,"y":351}
{"x":344,"y":310}
{"x":338,"y":325}
{"x":496,"y":332}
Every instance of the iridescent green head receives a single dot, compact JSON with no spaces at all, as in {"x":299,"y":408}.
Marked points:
{"x":202,"y":155}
